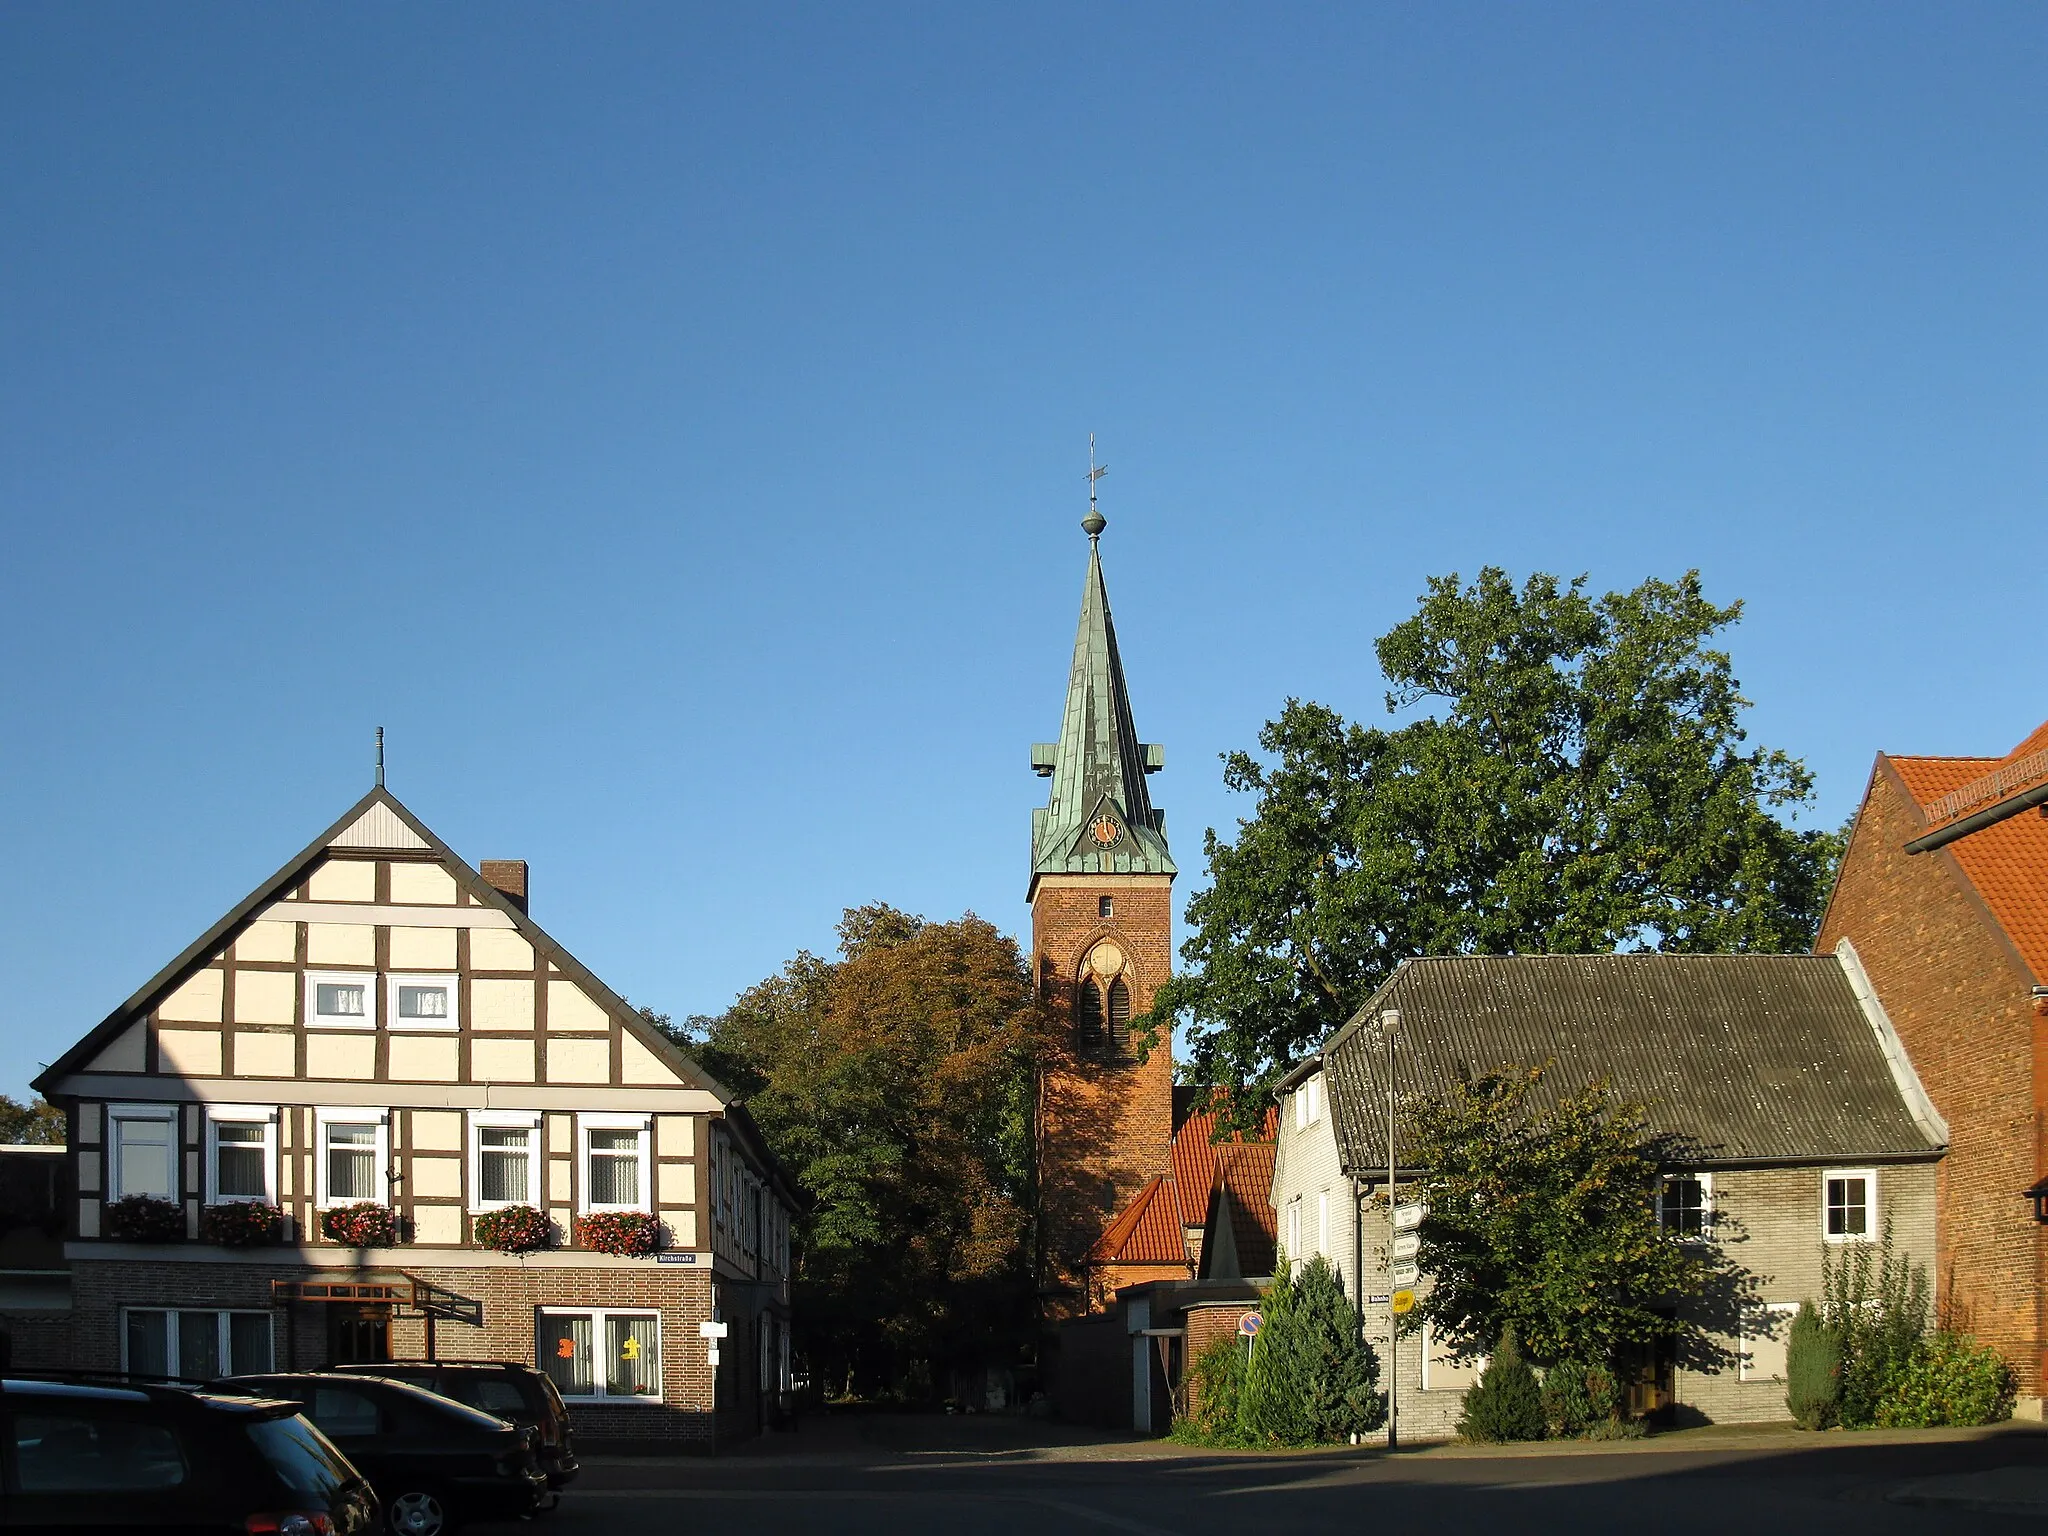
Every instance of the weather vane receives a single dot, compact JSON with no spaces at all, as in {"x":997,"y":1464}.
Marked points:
{"x":1094,"y":522}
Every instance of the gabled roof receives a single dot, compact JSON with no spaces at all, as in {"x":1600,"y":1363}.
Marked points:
{"x":2005,"y":858}
{"x":1147,"y":1232}
{"x":379,"y":821}
{"x":1749,"y":1058}
{"x":1242,"y":1203}
{"x":1098,"y":767}
{"x":1196,"y":1157}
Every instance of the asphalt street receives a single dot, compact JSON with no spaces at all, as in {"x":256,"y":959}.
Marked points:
{"x":1754,"y":1489}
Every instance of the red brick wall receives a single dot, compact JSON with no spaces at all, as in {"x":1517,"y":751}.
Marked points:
{"x":1104,"y":1128}
{"x":1205,"y":1326}
{"x":1960,"y":1002}
{"x":37,"y":1341}
{"x":509,"y":1293}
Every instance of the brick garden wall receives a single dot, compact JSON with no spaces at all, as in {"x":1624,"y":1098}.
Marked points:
{"x":1960,"y":1002}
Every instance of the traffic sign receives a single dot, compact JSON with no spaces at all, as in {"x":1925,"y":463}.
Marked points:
{"x":1408,"y":1217}
{"x":1403,"y":1301}
{"x":1407,"y":1245}
{"x":1405,"y":1275}
{"x":711,"y":1330}
{"x":1250,"y":1324}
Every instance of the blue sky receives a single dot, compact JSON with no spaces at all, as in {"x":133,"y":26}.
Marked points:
{"x":670,"y":422}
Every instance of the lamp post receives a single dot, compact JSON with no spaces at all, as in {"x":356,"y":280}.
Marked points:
{"x":1390,"y":1025}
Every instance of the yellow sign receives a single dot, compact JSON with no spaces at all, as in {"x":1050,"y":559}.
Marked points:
{"x":1404,"y":1301}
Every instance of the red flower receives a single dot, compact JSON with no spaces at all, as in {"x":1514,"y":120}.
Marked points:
{"x":630,"y":1234}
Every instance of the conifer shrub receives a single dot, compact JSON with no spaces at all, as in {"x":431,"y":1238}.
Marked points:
{"x":1581,"y":1397}
{"x":1813,"y":1370}
{"x":1505,"y":1403}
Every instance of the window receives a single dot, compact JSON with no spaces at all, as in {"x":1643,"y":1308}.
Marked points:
{"x":76,"y":1448}
{"x":1849,"y":1206}
{"x":601,"y":1354}
{"x":196,"y":1345}
{"x":340,"y":1000}
{"x":1765,"y":1332}
{"x":1444,"y":1369}
{"x":421,"y":1002}
{"x":142,"y":1153}
{"x":504,"y":1159}
{"x":616,"y":1174}
{"x":1088,"y":1016}
{"x":241,"y":1146}
{"x":1685,"y":1204}
{"x":1105,"y":906}
{"x":1119,"y":1016}
{"x":354,"y":1152}
{"x":1293,"y":1233}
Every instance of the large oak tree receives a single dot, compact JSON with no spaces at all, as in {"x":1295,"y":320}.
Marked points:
{"x":1574,"y":777}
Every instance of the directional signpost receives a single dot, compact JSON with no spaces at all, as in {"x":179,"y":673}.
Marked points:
{"x":1406,"y":1245}
{"x":1408,"y":1217}
{"x":713,"y":1332}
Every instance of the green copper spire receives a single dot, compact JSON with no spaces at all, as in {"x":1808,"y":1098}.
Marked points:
{"x":1100,"y":818}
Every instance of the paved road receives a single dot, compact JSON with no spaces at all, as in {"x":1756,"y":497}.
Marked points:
{"x":1759,"y":1488}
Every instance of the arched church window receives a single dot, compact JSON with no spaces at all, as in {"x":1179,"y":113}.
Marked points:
{"x":1119,"y":1015}
{"x":1088,"y":1028}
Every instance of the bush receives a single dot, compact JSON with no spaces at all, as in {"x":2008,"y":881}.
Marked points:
{"x":144,"y":1219}
{"x":513,"y":1229}
{"x":1876,"y":1304}
{"x":1951,"y":1380}
{"x":366,"y":1224}
{"x":1580,"y":1397}
{"x":1504,"y":1403}
{"x":1813,"y":1370}
{"x":1308,"y":1378}
{"x":629,"y":1234}
{"x":240,"y":1223}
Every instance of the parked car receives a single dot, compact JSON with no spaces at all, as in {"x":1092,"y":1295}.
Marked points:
{"x":101,"y":1455}
{"x":519,"y":1394}
{"x":433,"y":1462}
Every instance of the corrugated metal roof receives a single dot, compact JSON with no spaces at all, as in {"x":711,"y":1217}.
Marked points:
{"x":1749,"y":1057}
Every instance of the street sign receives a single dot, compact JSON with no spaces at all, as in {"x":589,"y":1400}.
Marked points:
{"x":1404,"y":1301}
{"x":1377,"y":1301}
{"x":1405,"y":1275}
{"x":1407,"y":1245}
{"x":1408,"y":1217}
{"x":1250,"y":1324}
{"x":675,"y":1258}
{"x":712,"y":1330}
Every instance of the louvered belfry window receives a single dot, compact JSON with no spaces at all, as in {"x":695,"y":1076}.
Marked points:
{"x":1119,"y":1016}
{"x":1088,"y":1028}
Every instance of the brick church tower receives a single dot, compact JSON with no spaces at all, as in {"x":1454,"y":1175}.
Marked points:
{"x":1101,"y":930}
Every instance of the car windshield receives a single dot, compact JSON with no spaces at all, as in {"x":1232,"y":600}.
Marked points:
{"x":492,"y":1395}
{"x":303,"y":1457}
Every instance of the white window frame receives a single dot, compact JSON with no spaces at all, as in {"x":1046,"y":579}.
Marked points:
{"x":585,"y":1124}
{"x":1308,"y":1108}
{"x":1706,"y":1184}
{"x":499,"y":1120}
{"x":1784,"y":1309}
{"x":599,"y":1316}
{"x":1871,"y":1223}
{"x":380,"y":1179}
{"x":367,"y":980}
{"x":1293,"y":1232}
{"x":167,"y":1115}
{"x":223,"y":1354}
{"x":393,"y":980}
{"x":218,"y":1115}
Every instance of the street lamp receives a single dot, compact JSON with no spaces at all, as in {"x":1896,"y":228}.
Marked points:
{"x":1390,"y":1026}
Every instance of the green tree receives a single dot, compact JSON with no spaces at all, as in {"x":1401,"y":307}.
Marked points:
{"x":896,"y":1084}
{"x":1505,"y":1403}
{"x":1542,"y":1218}
{"x":1574,"y":779}
{"x":37,"y":1123}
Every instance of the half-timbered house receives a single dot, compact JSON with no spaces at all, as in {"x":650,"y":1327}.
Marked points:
{"x":376,"y":1111}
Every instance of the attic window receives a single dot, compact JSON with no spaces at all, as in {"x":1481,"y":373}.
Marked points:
{"x":340,"y":1000}
{"x":1105,"y":906}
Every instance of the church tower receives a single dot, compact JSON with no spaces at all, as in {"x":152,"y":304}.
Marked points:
{"x":1101,"y":930}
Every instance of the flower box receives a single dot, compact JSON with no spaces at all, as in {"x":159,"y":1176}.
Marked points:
{"x":365,"y":1224}
{"x":143,"y":1219}
{"x":629,"y":1234}
{"x":240,"y":1223}
{"x":513,"y":1229}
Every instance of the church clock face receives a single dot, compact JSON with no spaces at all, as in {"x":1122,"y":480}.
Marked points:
{"x":1107,"y":833}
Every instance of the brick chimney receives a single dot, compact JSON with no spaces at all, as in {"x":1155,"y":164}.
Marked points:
{"x":508,"y":876}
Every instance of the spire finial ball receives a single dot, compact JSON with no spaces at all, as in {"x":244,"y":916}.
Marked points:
{"x":1094,"y":523}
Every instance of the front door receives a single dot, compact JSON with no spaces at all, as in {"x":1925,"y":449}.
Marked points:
{"x":1649,"y":1372}
{"x":358,"y":1335}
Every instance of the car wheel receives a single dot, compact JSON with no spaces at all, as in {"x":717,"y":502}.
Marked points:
{"x":418,"y":1514}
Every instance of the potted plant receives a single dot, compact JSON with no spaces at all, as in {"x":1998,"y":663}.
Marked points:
{"x":366,"y":1224}
{"x":240,"y":1223}
{"x":513,"y":1229}
{"x":629,"y":1234}
{"x":144,"y":1219}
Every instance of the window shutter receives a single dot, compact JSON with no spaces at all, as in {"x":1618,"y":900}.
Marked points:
{"x":1088,"y":1014}
{"x":1119,"y":1014}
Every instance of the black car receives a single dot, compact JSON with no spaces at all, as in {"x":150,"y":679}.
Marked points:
{"x":103,"y":1455}
{"x":433,"y":1462}
{"x":516,"y":1393}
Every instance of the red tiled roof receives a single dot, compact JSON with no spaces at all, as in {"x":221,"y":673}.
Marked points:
{"x":1244,"y":1177}
{"x":1194,"y":1161}
{"x":1147,"y":1232}
{"x":2006,"y":862}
